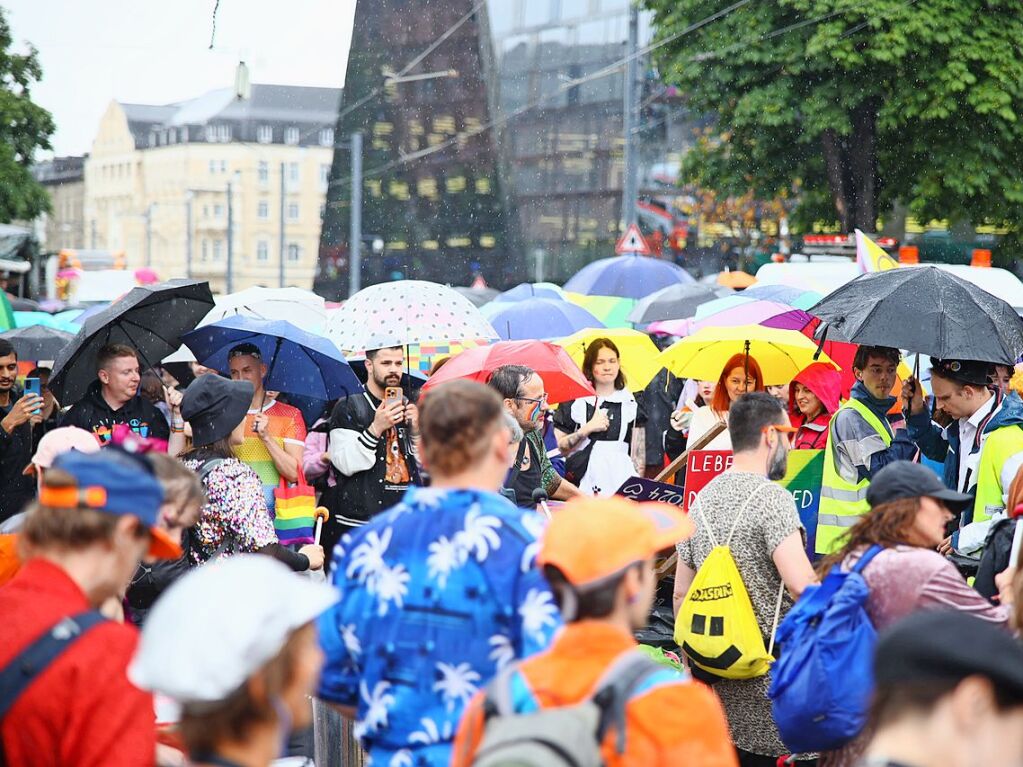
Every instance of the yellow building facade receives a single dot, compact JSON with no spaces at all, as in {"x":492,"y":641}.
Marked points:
{"x":159,"y":180}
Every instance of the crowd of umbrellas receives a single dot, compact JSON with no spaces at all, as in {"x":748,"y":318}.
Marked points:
{"x":307,"y":343}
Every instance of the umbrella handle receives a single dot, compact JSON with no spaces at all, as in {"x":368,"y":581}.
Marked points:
{"x":321,"y":514}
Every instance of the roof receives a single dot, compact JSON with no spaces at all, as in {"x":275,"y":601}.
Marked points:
{"x":278,"y":104}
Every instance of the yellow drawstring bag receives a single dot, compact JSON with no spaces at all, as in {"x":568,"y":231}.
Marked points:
{"x":716,"y":626}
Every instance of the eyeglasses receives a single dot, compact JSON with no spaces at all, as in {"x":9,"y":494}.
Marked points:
{"x":534,"y":400}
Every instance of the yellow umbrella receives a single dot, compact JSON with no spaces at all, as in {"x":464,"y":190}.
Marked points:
{"x":781,"y":354}
{"x":638,"y":353}
{"x":736,"y":280}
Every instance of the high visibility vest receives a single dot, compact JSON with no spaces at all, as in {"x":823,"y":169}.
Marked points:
{"x":999,"y":446}
{"x":842,"y":503}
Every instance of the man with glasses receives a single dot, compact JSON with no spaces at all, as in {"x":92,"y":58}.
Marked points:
{"x":525,"y":398}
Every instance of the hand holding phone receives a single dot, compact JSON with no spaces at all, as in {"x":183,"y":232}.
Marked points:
{"x":34,"y":386}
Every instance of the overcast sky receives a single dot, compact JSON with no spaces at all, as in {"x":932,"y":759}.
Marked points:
{"x":152,"y":52}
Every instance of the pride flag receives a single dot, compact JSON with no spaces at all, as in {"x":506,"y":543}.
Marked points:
{"x":870,"y":256}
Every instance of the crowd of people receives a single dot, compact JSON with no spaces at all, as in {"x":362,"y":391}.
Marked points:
{"x":158,"y":606}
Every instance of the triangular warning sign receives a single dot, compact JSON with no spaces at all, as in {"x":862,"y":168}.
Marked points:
{"x":632,"y":242}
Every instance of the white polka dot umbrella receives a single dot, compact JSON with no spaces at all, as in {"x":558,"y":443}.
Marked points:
{"x":403,"y":313}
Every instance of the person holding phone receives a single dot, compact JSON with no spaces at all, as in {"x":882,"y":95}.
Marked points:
{"x":373,"y":447}
{"x":19,"y":412}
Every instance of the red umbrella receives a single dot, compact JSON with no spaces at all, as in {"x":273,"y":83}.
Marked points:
{"x":562,"y":378}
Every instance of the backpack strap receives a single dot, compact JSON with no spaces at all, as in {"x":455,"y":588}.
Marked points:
{"x":735,"y":522}
{"x":868,"y":555}
{"x":23,"y":669}
{"x":614,"y":689}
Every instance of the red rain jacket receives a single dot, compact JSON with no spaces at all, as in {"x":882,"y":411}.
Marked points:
{"x":826,"y":382}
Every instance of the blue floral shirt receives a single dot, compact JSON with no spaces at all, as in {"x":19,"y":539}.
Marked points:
{"x":437,"y":594}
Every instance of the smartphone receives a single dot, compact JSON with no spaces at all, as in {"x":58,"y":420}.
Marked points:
{"x":34,"y":386}
{"x":393,"y":394}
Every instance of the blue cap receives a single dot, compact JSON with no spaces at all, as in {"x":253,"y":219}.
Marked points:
{"x":112,"y":486}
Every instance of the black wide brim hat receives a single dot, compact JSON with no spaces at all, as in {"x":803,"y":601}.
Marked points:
{"x":214,"y":406}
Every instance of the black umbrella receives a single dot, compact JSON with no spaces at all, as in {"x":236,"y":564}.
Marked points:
{"x":922,"y":309}
{"x":675,"y":302}
{"x":37,"y":342}
{"x":149,"y":319}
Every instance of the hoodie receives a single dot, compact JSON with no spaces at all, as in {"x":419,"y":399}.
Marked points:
{"x":826,"y":383}
{"x":93,"y":414}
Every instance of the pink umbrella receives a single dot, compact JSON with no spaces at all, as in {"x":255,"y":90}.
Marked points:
{"x":768,"y":313}
{"x":680,"y":328}
{"x":146,"y":276}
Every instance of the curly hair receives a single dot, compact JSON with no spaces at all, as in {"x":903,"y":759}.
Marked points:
{"x":887,"y":524}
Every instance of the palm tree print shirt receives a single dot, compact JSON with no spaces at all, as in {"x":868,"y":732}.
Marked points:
{"x":438,"y":594}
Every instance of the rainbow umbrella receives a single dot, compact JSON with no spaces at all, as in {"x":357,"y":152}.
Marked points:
{"x":421,"y":357}
{"x":768,"y":313}
{"x":613,"y":311}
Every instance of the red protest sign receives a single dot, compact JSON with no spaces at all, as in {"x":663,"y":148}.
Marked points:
{"x":701,"y":468}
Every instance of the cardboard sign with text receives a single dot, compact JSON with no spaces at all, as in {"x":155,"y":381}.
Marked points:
{"x":803,"y":479}
{"x":643,"y":490}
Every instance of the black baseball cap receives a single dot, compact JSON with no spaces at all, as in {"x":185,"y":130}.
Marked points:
{"x":949,"y":645}
{"x":971,"y":372}
{"x":903,"y":479}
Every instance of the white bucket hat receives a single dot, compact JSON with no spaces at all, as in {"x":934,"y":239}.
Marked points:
{"x":220,"y":623}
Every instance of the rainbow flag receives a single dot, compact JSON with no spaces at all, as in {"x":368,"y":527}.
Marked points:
{"x":803,"y":479}
{"x":422,"y":356}
{"x":871,"y":257}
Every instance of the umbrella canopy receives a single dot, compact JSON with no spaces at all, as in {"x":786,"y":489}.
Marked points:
{"x":611,"y":310}
{"x":31,"y":319}
{"x":540,"y":318}
{"x":767,"y":313}
{"x":924,"y":309}
{"x":783,"y":294}
{"x":781,"y":354}
{"x":37,"y":342}
{"x":92,"y":311}
{"x":403,"y":313}
{"x":149,"y":319}
{"x":299,"y":307}
{"x":675,"y":302}
{"x":561,"y":376}
{"x":297,"y":362}
{"x":627,"y":277}
{"x":20,"y":304}
{"x":736,"y":280}
{"x":422,"y":357}
{"x":637,"y":352}
{"x":526,"y":290}
{"x":678,"y":328}
{"x":477,"y":296}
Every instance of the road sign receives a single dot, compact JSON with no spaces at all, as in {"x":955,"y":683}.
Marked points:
{"x":632,"y":242}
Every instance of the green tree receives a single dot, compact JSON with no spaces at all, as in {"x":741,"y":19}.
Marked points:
{"x":24,"y":128}
{"x":856,"y":104}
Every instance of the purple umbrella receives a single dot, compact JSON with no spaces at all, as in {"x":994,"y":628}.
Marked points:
{"x":627,"y":277}
{"x":767,"y":313}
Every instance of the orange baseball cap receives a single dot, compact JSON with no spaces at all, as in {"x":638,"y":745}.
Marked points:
{"x":591,"y":539}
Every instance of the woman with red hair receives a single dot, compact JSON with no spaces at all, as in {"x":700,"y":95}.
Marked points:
{"x":740,"y":374}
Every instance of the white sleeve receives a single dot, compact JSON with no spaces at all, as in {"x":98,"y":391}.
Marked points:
{"x":351,"y":451}
{"x":703,"y":419}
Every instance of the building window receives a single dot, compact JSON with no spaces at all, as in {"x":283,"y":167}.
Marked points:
{"x":262,"y":251}
{"x":213,"y":166}
{"x":264,"y":134}
{"x":211,"y":133}
{"x":184,"y":136}
{"x":218,"y":211}
{"x":205,"y":211}
{"x":171,"y":136}
{"x":294,"y":172}
{"x":324,"y":176}
{"x":205,"y":250}
{"x":292,"y":211}
{"x":294,"y":252}
{"x":263,"y":210}
{"x":327,"y":137}
{"x":223,"y":166}
{"x":291,"y":136}
{"x":264,"y":172}
{"x":218,"y":247}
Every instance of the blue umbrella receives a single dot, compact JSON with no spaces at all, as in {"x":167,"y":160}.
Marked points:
{"x":783,"y":294}
{"x":525,"y":290}
{"x":297,"y":362}
{"x":627,"y":277}
{"x":539,"y":319}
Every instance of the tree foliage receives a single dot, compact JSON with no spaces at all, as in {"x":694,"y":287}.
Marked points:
{"x":25,"y":127}
{"x":856,"y":104}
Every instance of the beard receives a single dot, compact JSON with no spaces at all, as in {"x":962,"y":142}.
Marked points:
{"x":777,"y":464}
{"x":390,"y":379}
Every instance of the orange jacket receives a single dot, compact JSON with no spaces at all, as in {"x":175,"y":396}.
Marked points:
{"x":669,"y":724}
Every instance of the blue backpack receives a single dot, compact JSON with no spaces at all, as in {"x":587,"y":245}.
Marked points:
{"x":821,"y":684}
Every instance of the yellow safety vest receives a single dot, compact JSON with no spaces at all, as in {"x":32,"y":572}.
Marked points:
{"x":842,"y":503}
{"x":999,"y":446}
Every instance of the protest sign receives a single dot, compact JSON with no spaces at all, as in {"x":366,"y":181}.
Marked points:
{"x":642,"y":490}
